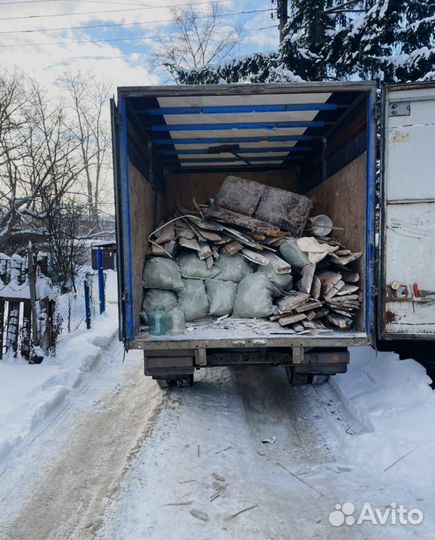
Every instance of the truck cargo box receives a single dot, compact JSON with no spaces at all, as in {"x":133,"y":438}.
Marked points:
{"x":316,"y":139}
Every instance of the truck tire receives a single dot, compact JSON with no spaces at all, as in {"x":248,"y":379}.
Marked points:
{"x":182,"y":381}
{"x":296,"y":378}
{"x":317,"y":380}
{"x":164,"y":384}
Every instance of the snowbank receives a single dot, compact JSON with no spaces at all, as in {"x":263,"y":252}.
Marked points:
{"x":29,"y":393}
{"x":393,"y":400}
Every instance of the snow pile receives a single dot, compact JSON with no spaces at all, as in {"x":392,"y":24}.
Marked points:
{"x":30,"y":393}
{"x":17,"y":290}
{"x":393,"y":399}
{"x":44,"y":289}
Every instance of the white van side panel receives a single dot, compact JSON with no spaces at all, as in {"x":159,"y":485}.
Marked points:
{"x":408,"y":236}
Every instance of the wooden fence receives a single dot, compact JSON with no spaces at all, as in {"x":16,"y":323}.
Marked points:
{"x":27,"y":305}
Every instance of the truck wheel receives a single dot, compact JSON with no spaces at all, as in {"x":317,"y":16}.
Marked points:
{"x":182,"y":381}
{"x":185,"y":381}
{"x":317,"y":380}
{"x":296,"y":378}
{"x":163,"y":383}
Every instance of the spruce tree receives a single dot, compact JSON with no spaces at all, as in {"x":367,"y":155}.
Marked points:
{"x":393,"y":41}
{"x":388,"y":40}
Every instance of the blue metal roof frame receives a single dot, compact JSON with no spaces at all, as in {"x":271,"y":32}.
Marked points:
{"x":233,"y":159}
{"x":231,"y":109}
{"x":248,"y":150}
{"x":156,"y":121}
{"x":238,"y":125}
{"x":225,"y":140}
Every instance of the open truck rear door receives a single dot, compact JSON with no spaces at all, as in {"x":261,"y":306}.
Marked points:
{"x":122,"y":221}
{"x":407,"y":232}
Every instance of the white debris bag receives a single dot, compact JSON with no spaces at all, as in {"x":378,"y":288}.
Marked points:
{"x":283,"y":282}
{"x":162,"y":273}
{"x":293,"y":254}
{"x":193,"y":268}
{"x":232,"y":267}
{"x":221,"y":295}
{"x":254,"y":297}
{"x":193,"y":299}
{"x":155,"y":298}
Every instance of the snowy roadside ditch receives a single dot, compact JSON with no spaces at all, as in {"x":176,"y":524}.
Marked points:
{"x":31,"y":392}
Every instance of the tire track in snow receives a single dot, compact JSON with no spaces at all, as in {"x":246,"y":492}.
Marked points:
{"x":205,"y":463}
{"x":69,"y":498}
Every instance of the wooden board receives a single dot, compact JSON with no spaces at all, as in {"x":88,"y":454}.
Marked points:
{"x":255,"y":257}
{"x":233,"y":247}
{"x":291,"y":319}
{"x":291,"y":301}
{"x":142,"y":196}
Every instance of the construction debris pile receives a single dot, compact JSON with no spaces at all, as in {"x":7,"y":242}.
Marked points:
{"x":253,"y":252}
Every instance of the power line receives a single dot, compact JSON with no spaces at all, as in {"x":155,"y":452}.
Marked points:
{"x":49,"y":1}
{"x":156,"y":36}
{"x":111,"y":25}
{"x":146,"y":7}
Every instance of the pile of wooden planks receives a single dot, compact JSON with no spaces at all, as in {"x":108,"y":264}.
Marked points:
{"x":333,"y":300}
{"x":326,"y":292}
{"x":210,"y":230}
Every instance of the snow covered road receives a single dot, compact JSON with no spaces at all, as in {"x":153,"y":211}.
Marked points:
{"x":239,"y":455}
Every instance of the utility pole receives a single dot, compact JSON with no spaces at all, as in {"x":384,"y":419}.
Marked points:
{"x":282,"y":13}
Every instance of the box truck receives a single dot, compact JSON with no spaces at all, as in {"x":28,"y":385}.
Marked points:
{"x":364,"y":154}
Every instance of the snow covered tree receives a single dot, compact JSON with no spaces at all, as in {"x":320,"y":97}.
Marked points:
{"x":393,"y":41}
{"x":388,"y":40}
{"x":306,"y":45}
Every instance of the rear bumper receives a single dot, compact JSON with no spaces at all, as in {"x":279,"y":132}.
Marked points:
{"x":313,"y":361}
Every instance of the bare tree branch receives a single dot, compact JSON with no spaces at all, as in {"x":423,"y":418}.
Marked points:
{"x":198,"y":40}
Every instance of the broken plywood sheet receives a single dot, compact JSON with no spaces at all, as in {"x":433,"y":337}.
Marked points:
{"x":191,"y":244}
{"x":349,"y":277}
{"x":348,"y":289}
{"x":315,"y":251}
{"x":340,"y":321}
{"x":307,"y":275}
{"x":328,"y":279}
{"x":233,"y":247}
{"x":291,"y":319}
{"x":234,"y":218}
{"x":255,"y":257}
{"x":239,"y":194}
{"x":288,"y":210}
{"x":165,"y":233}
{"x":316,"y":287}
{"x":279,"y":265}
{"x":343,"y":261}
{"x":291,"y":301}
{"x":204,"y":251}
{"x":164,"y":250}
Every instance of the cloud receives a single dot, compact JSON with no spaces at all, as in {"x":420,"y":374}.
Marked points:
{"x":45,"y":54}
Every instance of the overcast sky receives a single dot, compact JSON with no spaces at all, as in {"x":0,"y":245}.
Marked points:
{"x":120,"y":54}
